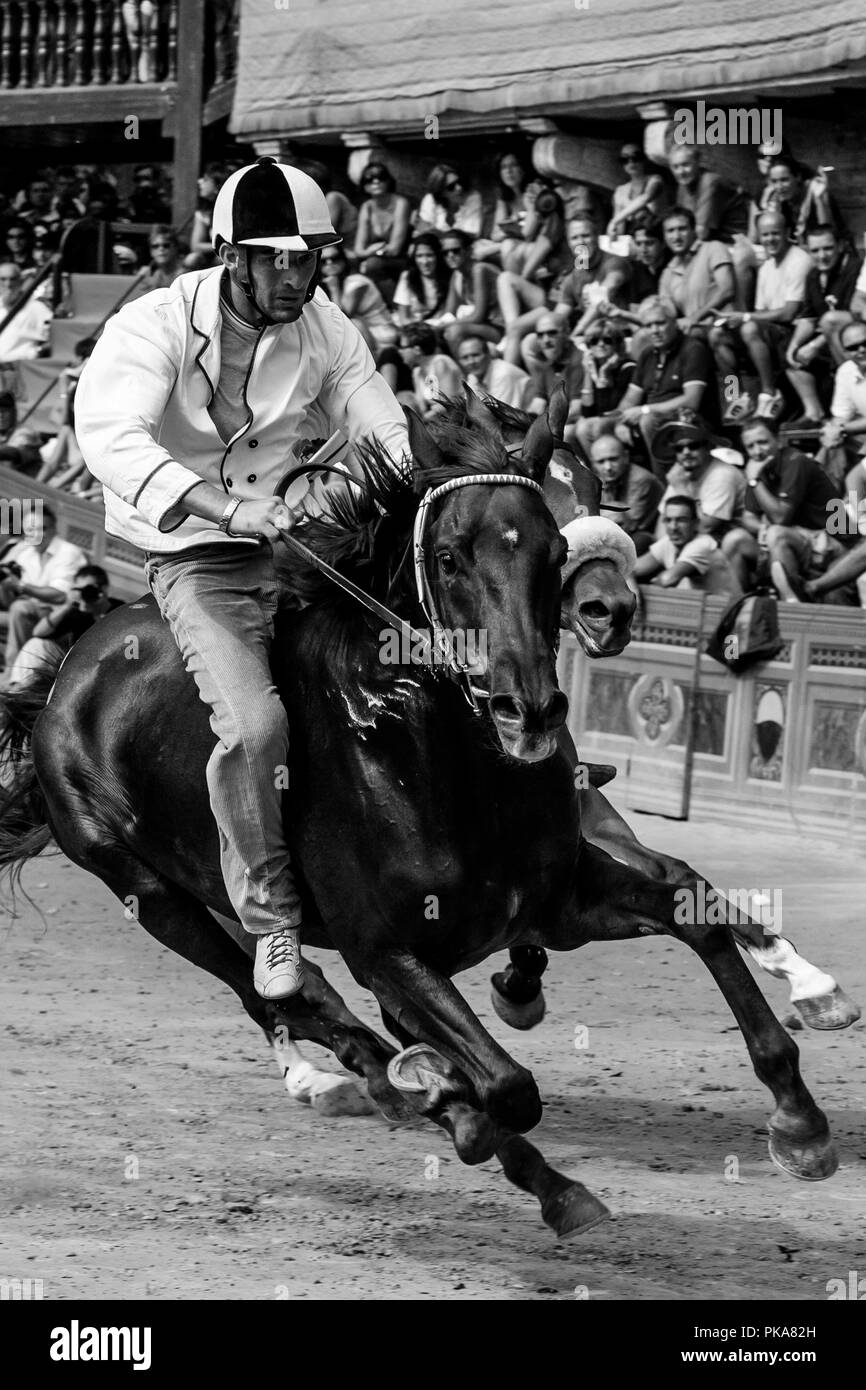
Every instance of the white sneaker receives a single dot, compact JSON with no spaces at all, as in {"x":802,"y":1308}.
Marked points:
{"x":770,"y":405}
{"x":279,"y":968}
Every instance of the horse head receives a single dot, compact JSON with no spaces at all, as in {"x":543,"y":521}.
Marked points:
{"x":492,"y":555}
{"x":597,"y":604}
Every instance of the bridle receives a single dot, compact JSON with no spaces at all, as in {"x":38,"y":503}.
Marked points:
{"x":440,"y":650}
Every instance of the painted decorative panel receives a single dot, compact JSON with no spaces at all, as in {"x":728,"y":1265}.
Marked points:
{"x":607,"y":704}
{"x":834,"y":736}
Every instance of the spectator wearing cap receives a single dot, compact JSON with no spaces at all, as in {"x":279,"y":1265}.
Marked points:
{"x":631,"y":492}
{"x":48,"y":567}
{"x":26,"y":336}
{"x":551,"y":357}
{"x":359,"y":299}
{"x":684,"y":557}
{"x":19,"y":445}
{"x":720,"y":211}
{"x":501,"y":380}
{"x":815,"y":348}
{"x":699,"y":277}
{"x":763,"y":334}
{"x":450,"y":202}
{"x":785,"y":514}
{"x":673,"y":373}
{"x":643,"y":191}
{"x":384,"y":228}
{"x":702,"y":470}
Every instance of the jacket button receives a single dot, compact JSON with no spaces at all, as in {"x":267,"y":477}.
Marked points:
{"x":254,"y":443}
{"x":229,"y":482}
{"x":251,"y":478}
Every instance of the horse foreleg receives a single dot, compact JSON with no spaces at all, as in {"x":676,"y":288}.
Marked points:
{"x":613,"y":901}
{"x":815,"y":994}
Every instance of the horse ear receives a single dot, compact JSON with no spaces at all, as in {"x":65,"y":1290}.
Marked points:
{"x":479,"y":413}
{"x":537,"y":449}
{"x":557,"y":410}
{"x":425,"y":451}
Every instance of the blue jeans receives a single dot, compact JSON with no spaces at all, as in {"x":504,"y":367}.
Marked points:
{"x":220,"y":602}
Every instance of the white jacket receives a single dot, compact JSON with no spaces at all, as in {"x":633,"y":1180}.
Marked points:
{"x":141,"y":412}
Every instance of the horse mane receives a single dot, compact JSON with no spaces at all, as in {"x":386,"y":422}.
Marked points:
{"x":365,"y":534}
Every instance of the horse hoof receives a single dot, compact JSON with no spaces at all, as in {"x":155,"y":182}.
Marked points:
{"x":522,"y":1016}
{"x":417,"y":1069}
{"x":809,"y":1162}
{"x":573,"y":1211}
{"x":340,"y":1095}
{"x":833,"y":1010}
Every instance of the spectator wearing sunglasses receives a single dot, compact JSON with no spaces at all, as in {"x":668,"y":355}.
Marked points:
{"x":607,"y":372}
{"x":359,"y":298}
{"x":471,"y":306}
{"x":643,"y":191}
{"x":717,"y":486}
{"x":551,"y":357}
{"x":848,"y":407}
{"x":166,"y":259}
{"x":384,"y":228}
{"x":449,"y":202}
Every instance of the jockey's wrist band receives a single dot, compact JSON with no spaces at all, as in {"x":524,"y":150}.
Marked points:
{"x":225,"y":519}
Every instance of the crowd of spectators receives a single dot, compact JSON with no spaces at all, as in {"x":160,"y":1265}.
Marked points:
{"x":710,"y":337}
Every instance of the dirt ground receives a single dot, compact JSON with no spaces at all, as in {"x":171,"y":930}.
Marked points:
{"x":149,"y":1149}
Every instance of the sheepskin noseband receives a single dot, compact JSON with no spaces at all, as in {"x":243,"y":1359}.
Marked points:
{"x":596,"y":538}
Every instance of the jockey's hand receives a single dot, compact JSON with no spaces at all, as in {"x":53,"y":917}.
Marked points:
{"x":266,"y":516}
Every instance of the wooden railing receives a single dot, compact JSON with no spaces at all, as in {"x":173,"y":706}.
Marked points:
{"x":99,"y":43}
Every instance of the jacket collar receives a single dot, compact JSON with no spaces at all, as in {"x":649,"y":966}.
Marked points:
{"x":205,"y":320}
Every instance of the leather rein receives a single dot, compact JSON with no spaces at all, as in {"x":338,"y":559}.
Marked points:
{"x":438,"y":650}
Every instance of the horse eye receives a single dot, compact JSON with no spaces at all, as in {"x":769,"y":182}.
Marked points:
{"x":447,"y":563}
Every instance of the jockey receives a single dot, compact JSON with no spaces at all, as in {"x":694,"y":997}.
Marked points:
{"x":187,"y":412}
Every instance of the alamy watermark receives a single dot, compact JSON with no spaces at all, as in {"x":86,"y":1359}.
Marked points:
{"x":21,"y":516}
{"x":734,"y":125}
{"x":468,"y":646}
{"x":706,"y":907}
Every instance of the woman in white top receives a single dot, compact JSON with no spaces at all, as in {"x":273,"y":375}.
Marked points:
{"x":642,"y":192}
{"x":383,"y":226}
{"x":359,"y":298}
{"x":423,"y":288}
{"x":449,"y":203}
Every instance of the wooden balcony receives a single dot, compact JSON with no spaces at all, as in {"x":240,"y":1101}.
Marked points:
{"x":82,"y":61}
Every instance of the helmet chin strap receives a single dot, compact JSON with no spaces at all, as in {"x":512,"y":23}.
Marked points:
{"x":245,"y":284}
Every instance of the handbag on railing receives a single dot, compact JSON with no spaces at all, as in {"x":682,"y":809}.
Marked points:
{"x":747,"y":633}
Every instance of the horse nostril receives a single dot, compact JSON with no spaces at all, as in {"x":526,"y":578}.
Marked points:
{"x":557,"y":709}
{"x":595,"y":610}
{"x":505,"y":707}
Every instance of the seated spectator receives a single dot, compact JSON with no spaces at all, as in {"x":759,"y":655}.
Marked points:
{"x":625,"y":484}
{"x":19,"y":445}
{"x":471,"y":306}
{"x":643,"y":192}
{"x":848,"y":407}
{"x":26,"y":336}
{"x":147,"y":202}
{"x":717,"y":487}
{"x":48,"y":567}
{"x":785,"y":514}
{"x":501,"y":380}
{"x":815,"y":347}
{"x":720,"y":212}
{"x":65,"y":206}
{"x":598,"y":279}
{"x":36,"y":207}
{"x":434,"y":375}
{"x":607,"y":373}
{"x":449,"y":202}
{"x":166,"y":259}
{"x":803,"y":203}
{"x":201,"y":252}
{"x":672,"y":374}
{"x":699,"y":277}
{"x":541,"y":255}
{"x":382,"y":238}
{"x":551,"y":357}
{"x":763,"y":335}
{"x":685,"y":559}
{"x":20,"y":241}
{"x":359,"y":299}
{"x":55,"y":633}
{"x":62,"y":462}
{"x":510,"y":211}
{"x":423,"y":288}
{"x":647,"y":262}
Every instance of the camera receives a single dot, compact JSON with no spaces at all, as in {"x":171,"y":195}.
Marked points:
{"x":89,"y":593}
{"x":10,"y":569}
{"x":546,"y":203}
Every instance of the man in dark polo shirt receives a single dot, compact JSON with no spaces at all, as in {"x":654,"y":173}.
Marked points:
{"x":815,"y":350}
{"x":673,"y":374}
{"x":785,"y":515}
{"x":551,"y":357}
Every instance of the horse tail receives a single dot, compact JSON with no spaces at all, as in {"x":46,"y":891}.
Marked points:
{"x":24,"y":830}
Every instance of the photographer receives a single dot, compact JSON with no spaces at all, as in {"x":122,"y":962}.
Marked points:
{"x":54,"y":634}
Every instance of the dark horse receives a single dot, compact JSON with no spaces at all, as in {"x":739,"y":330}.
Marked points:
{"x":426,"y":837}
